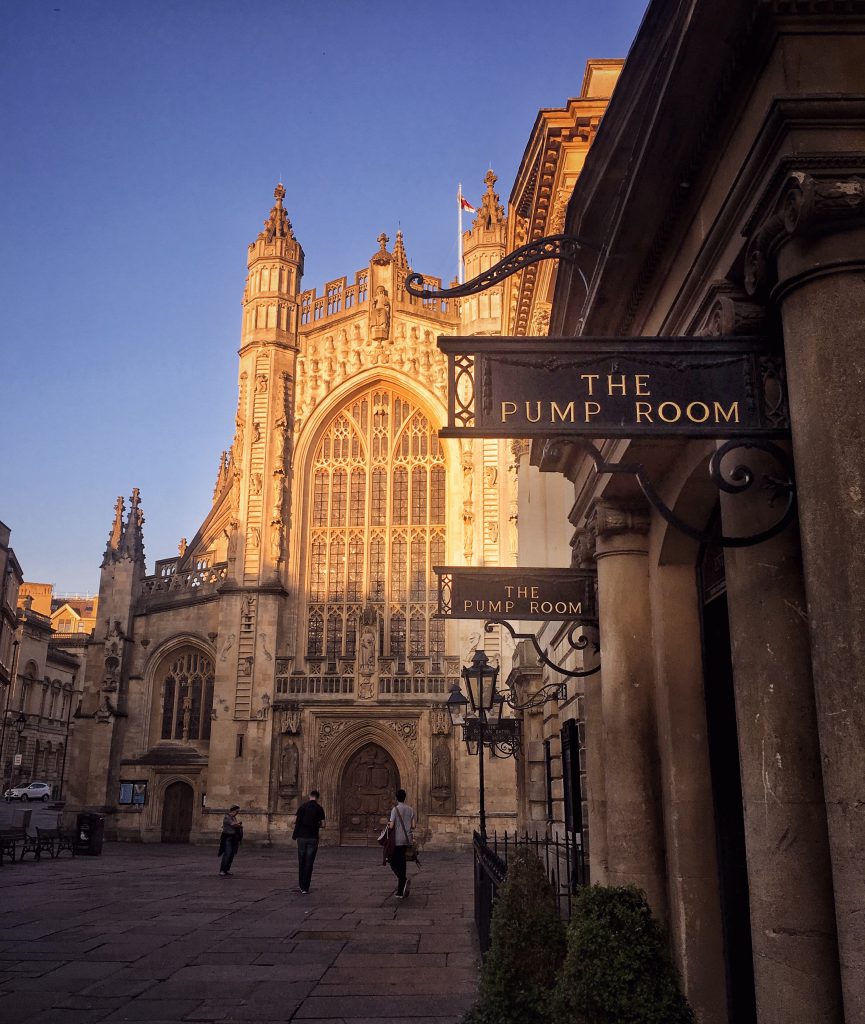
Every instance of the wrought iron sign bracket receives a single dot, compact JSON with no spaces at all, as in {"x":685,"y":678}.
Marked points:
{"x":552,"y":247}
{"x":737,"y":480}
{"x":555,"y":691}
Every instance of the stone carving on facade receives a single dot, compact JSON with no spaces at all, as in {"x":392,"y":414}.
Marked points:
{"x":583,"y":545}
{"x":254,"y":537}
{"x":407,"y":732}
{"x":261,"y":383}
{"x":276,"y":543}
{"x":559,"y":212}
{"x":231,"y":539}
{"x":289,"y":765}
{"x":440,"y":722}
{"x":226,"y":647}
{"x":474,"y":644}
{"x":452,"y":665}
{"x":382,"y":258}
{"x":255,"y":484}
{"x":807,"y":205}
{"x":366,"y":656}
{"x":366,"y":688}
{"x":328,"y":730}
{"x":491,"y":475}
{"x":441,"y":769}
{"x":264,"y":649}
{"x":237,"y":446}
{"x":731,"y":314}
{"x":540,"y":324}
{"x":491,"y":531}
{"x":256,"y":433}
{"x":247,"y":612}
{"x":244,"y":666}
{"x":289,"y":720}
{"x":609,"y":518}
{"x":468,"y":464}
{"x":379,"y":317}
{"x":113,"y":655}
{"x":468,"y":532}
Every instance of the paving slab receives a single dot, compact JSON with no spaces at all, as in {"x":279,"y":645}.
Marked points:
{"x":151,"y":933}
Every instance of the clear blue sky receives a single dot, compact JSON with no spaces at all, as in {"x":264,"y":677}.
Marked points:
{"x":141,"y":141}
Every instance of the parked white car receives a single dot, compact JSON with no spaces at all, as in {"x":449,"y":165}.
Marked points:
{"x":33,"y":791}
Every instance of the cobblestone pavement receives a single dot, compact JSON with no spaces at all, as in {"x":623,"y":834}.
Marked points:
{"x":152,"y":933}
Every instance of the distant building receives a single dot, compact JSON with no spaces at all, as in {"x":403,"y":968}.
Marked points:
{"x":38,"y":683}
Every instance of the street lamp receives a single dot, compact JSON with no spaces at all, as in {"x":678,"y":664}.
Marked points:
{"x":480,"y":679}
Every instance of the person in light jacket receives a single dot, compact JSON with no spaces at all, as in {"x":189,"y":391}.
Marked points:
{"x":402,"y":823}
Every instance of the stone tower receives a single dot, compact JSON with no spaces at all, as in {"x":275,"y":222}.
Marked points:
{"x":258,"y":512}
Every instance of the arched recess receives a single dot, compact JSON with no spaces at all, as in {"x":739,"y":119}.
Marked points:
{"x":331,"y":764}
{"x":191,"y":661}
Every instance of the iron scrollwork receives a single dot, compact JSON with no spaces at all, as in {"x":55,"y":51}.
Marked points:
{"x":552,"y":247}
{"x":555,"y":691}
{"x":736,"y":480}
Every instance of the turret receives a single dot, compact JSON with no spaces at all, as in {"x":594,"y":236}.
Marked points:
{"x":483,"y":247}
{"x":275,"y":261}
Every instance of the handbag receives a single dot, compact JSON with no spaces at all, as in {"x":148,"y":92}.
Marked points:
{"x":382,"y":839}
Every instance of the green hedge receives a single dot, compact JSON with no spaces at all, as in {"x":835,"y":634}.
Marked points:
{"x":617,"y":969}
{"x":527,"y":947}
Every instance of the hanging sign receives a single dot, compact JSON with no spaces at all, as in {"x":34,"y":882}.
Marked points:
{"x":467,"y":592}
{"x":721,"y":387}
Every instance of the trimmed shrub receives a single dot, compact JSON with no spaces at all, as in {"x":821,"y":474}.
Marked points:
{"x":527,"y":947}
{"x":617,"y":969}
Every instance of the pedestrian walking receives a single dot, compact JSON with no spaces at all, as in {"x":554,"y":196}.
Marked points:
{"x":308,"y":820}
{"x":401,"y":824}
{"x":229,"y":841}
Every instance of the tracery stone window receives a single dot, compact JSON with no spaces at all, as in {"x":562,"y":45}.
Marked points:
{"x":185,"y":681}
{"x":377,"y":526}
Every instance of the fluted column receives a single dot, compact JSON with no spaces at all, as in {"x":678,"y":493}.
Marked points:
{"x":811,"y":253}
{"x":634,"y":827}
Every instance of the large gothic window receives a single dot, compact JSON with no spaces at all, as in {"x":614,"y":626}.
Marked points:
{"x":186,"y":684}
{"x":377,"y":527}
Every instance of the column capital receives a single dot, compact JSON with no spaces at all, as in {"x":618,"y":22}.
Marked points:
{"x":614,"y":518}
{"x":583,"y":546}
{"x":808,"y":207}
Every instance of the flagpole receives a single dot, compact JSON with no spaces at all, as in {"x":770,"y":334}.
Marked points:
{"x":460,"y":272}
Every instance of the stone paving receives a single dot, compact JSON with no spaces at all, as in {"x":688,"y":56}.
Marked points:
{"x":152,"y":933}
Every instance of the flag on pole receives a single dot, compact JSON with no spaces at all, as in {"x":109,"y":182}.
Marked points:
{"x":466,"y":205}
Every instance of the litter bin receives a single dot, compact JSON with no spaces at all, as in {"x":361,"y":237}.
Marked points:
{"x":88,"y":834}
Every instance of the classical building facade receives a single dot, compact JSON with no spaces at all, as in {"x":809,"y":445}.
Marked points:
{"x":722,"y":740}
{"x":293,"y":642}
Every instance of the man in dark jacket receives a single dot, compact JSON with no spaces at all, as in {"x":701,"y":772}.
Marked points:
{"x":308,"y":821}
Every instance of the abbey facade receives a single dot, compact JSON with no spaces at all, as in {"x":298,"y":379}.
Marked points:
{"x":293,"y":643}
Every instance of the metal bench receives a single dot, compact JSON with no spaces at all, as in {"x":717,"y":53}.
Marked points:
{"x":53,"y":841}
{"x":14,"y":835}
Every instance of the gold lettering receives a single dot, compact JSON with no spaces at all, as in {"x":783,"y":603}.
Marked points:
{"x":590,"y":378}
{"x":670,"y":419}
{"x":533,"y":607}
{"x":494,"y":606}
{"x":690,"y":414}
{"x":592,"y":409}
{"x":611,"y":385}
{"x":643,"y":409}
{"x":733,"y":412}
{"x":508,"y":409}
{"x":565,"y":415}
{"x":640,"y":380}
{"x":529,"y":417}
{"x":536,"y":591}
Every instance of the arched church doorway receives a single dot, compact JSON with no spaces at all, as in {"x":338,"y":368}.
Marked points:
{"x":723,"y":742}
{"x":177,"y":807}
{"x":366,"y":794}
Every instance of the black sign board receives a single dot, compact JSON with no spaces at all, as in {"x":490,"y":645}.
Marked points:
{"x":614,"y":387}
{"x":516,"y":593}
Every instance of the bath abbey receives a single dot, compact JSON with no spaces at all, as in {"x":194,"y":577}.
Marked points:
{"x":293,"y":642}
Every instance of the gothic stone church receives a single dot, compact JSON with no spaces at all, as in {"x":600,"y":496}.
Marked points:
{"x":293,"y":643}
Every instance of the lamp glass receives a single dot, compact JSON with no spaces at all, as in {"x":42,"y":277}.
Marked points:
{"x":480,"y":678}
{"x":456,"y":705}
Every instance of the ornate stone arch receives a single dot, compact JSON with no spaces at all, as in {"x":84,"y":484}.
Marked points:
{"x":326,"y":766}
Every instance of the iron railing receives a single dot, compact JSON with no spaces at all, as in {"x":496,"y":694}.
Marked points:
{"x":563,"y":858}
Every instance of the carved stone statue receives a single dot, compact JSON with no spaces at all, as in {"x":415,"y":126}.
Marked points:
{"x":231,"y":537}
{"x":276,"y":542}
{"x":380,"y":315}
{"x":288,"y":765}
{"x":468,"y":465}
{"x":441,"y":769}
{"x":255,"y":484}
{"x":367,"y":652}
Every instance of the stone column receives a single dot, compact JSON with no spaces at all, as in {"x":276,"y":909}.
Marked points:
{"x":634,"y":825}
{"x":796,"y":972}
{"x":813,"y":245}
{"x":596,"y":798}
